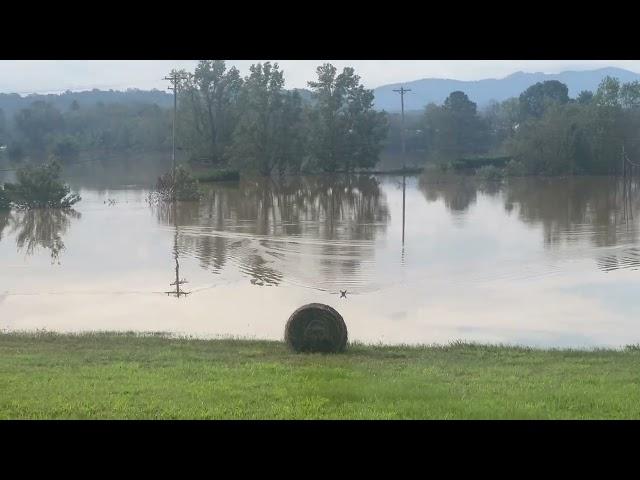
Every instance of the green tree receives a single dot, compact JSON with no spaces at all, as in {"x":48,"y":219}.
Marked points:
{"x":537,"y":98}
{"x":608,"y":93}
{"x":455,"y":129}
{"x":37,"y":123}
{"x":585,"y":97}
{"x":344,"y":129}
{"x":630,"y":94}
{"x":208,"y":109}
{"x":260,"y":138}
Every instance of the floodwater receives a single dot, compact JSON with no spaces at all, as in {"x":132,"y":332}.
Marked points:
{"x":539,"y":262}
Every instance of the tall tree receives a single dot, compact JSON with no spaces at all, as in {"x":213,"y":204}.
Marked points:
{"x":345,"y":130}
{"x":537,"y":98}
{"x":267,"y":122}
{"x":37,"y":122}
{"x":455,"y":128}
{"x":208,"y":106}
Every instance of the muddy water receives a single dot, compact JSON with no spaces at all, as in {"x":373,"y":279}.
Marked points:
{"x":538,"y":262}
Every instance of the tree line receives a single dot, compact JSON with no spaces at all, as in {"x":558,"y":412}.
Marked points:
{"x":543,"y":131}
{"x":254,"y":124}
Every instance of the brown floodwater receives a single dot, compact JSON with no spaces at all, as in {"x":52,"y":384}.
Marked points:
{"x":539,"y":262}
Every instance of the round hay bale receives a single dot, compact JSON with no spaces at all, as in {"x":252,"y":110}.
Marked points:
{"x":316,"y":327}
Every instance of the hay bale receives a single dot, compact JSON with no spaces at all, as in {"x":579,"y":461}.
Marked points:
{"x":316,"y":328}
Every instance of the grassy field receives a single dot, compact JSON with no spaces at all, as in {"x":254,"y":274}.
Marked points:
{"x":106,"y":375}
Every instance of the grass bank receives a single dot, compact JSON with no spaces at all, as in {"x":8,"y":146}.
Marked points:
{"x":107,"y":375}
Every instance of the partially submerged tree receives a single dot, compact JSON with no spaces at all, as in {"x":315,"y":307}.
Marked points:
{"x":40,"y":187}
{"x":267,"y":136}
{"x":183,"y":187}
{"x":345,"y":131}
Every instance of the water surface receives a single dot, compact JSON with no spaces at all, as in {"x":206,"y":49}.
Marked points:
{"x":540,"y":262}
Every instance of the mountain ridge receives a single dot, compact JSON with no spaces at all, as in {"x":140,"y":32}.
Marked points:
{"x":484,"y":91}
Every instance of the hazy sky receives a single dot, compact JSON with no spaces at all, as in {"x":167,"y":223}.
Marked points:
{"x":28,"y":76}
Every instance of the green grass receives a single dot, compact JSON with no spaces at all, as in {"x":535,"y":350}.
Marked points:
{"x":107,"y":375}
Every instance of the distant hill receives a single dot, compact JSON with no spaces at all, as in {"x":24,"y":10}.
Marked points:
{"x":422,"y":91}
{"x":483,"y":91}
{"x":12,"y":102}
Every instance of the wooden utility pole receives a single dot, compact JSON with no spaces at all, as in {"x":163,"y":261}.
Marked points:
{"x":174,"y":78}
{"x":402,"y":91}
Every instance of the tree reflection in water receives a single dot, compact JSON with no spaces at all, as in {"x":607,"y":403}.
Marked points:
{"x":263,"y":225}
{"x":570,"y":210}
{"x":39,"y":228}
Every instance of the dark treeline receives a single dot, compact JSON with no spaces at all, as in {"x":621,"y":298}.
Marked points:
{"x":254,"y":124}
{"x":543,"y":130}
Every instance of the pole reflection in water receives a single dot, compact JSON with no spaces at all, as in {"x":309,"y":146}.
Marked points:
{"x":404,"y":191}
{"x":176,"y":253}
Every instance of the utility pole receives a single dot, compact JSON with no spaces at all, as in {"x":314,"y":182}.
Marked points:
{"x":402,"y":91}
{"x":174,"y":77}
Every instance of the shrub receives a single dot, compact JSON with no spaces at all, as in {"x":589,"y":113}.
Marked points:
{"x":186,"y":185}
{"x":40,"y":187}
{"x":490,"y":173}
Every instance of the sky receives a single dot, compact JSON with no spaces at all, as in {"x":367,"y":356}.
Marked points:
{"x":44,"y":76}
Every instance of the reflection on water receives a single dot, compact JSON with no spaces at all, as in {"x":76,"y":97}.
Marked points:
{"x":40,"y":228}
{"x":550,"y":262}
{"x":319,"y":230}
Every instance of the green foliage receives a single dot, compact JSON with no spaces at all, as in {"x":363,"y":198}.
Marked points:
{"x":37,"y":122}
{"x":536,"y":99}
{"x":345,"y":132}
{"x":66,"y":148}
{"x":455,"y":129}
{"x":40,"y":187}
{"x":208,"y":110}
{"x":184,"y":187}
{"x":268,"y":135}
{"x":608,"y":93}
{"x":585,"y":97}
{"x":490,"y":173}
{"x":581,"y":137}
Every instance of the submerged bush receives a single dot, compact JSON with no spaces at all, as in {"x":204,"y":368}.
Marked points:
{"x":490,"y":173}
{"x":40,"y":187}
{"x":185,"y":187}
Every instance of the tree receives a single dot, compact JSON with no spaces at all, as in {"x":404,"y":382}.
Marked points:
{"x":455,"y":129}
{"x":537,"y":98}
{"x":608,"y":93}
{"x":37,"y":122}
{"x":502,"y":119}
{"x":260,"y":141}
{"x":585,"y":97}
{"x":344,"y":129}
{"x":208,"y":99}
{"x":630,"y":94}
